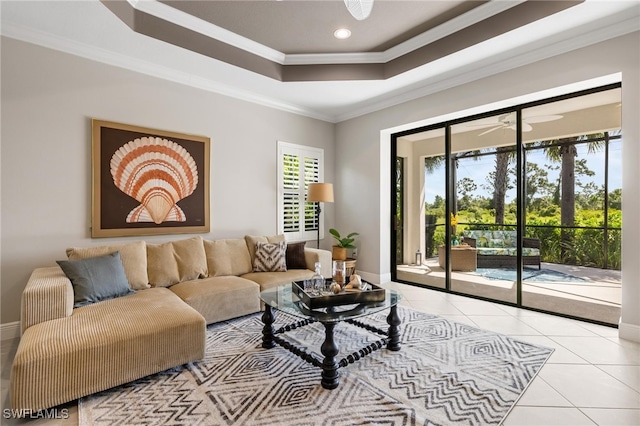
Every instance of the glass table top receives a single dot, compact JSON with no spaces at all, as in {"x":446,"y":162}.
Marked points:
{"x":284,"y":299}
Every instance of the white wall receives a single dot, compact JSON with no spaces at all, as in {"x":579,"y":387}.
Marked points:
{"x":48,"y":100}
{"x":363,"y":153}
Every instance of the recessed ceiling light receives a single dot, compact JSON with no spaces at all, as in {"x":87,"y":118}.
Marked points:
{"x":342,"y":33}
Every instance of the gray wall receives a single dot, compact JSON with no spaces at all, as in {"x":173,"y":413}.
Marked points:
{"x":363,"y":150}
{"x":48,"y":100}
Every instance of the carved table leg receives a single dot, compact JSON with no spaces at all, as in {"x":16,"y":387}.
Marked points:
{"x":394,"y":330}
{"x":267,"y":331}
{"x":329,"y":348}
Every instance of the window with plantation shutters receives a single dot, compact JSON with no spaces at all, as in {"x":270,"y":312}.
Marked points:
{"x":298,"y":166}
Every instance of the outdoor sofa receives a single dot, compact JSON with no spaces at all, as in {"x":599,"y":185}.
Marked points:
{"x":497,"y":249}
{"x":144,"y":310}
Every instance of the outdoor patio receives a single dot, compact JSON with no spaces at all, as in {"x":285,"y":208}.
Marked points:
{"x":578,"y":291}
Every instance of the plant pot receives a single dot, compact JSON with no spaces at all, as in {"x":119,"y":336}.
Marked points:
{"x":339,"y":253}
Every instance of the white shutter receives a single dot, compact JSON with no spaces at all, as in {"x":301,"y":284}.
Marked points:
{"x":290,"y":193}
{"x":311,"y":175}
{"x":298,"y":166}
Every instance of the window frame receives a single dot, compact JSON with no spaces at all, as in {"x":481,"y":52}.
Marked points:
{"x":302,"y":152}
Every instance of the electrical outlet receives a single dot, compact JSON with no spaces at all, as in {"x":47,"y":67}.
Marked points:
{"x":355,"y":253}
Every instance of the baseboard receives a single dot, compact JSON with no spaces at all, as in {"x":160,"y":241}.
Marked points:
{"x":10,"y":330}
{"x":629,"y":332}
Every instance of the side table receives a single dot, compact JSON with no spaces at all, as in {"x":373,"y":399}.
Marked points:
{"x":463,"y":258}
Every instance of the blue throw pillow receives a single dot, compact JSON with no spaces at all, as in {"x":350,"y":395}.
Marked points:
{"x":96,"y":278}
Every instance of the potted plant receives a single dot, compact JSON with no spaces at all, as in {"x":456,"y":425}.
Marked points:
{"x":344,"y":243}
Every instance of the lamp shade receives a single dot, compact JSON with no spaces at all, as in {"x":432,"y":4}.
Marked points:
{"x":322,"y":192}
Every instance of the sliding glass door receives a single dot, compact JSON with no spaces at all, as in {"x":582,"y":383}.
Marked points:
{"x":484,"y":234}
{"x":520,"y":206}
{"x":424,"y":208}
{"x":574,"y":196}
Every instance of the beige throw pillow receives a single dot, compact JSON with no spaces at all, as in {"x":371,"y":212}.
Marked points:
{"x":176,"y":261}
{"x":133,"y":256}
{"x":227,"y":257}
{"x":270,"y":257}
{"x":252,"y":240}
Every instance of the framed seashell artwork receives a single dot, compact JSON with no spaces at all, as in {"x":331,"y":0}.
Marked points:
{"x":147,"y":181}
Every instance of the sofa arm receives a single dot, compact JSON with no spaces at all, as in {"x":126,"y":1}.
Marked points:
{"x":311,"y":256}
{"x":531,"y":242}
{"x":48,"y":295}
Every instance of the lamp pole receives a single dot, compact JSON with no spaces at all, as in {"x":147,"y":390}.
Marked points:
{"x":318,"y":224}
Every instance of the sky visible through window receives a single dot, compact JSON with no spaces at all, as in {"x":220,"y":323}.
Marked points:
{"x":479,"y":170}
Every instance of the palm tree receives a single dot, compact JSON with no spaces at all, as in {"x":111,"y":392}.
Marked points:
{"x":504,"y":156}
{"x":565,"y":152}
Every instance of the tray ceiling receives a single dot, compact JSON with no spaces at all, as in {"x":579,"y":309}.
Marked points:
{"x":416,"y":49}
{"x":293,"y":40}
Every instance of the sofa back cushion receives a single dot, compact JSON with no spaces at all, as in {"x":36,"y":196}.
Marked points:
{"x":133,"y":256}
{"x":176,"y":261}
{"x":492,"y":239}
{"x":227,"y":257}
{"x":506,"y":239}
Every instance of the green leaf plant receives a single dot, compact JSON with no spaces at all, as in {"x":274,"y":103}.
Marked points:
{"x":345,"y":242}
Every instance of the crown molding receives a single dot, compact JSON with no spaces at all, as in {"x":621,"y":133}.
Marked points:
{"x":335,"y":58}
{"x":193,"y":23}
{"x":62,"y":44}
{"x":454,"y":25}
{"x":584,"y":36}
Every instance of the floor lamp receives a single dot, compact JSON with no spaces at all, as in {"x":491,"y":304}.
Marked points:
{"x":320,"y":193}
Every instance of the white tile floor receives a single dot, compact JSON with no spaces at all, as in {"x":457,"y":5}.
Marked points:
{"x":592,"y":378}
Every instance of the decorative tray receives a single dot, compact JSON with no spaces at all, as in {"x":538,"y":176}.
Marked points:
{"x":371,"y":294}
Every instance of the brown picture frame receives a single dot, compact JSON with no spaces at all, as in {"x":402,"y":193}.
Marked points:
{"x":148,"y":181}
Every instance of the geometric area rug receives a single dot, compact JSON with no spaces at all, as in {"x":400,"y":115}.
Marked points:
{"x":446,"y":373}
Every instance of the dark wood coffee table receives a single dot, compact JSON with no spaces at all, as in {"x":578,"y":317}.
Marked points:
{"x":285,"y":300}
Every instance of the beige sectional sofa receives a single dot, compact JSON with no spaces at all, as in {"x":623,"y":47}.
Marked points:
{"x":176,"y":288}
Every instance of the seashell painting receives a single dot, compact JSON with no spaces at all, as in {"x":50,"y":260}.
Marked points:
{"x":158,"y":173}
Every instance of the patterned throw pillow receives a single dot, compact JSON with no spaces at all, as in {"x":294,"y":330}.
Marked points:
{"x":270,"y":257}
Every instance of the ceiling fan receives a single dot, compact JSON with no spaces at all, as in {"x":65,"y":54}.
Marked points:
{"x":359,"y":9}
{"x":508,"y":121}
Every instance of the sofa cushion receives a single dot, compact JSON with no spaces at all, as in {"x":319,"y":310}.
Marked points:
{"x":530,"y":251}
{"x":507,"y":251}
{"x":274,"y":279}
{"x":270,"y":257}
{"x":295,"y":256}
{"x":227,"y":257}
{"x":252,"y":240}
{"x":96,"y":278}
{"x":498,"y":243}
{"x":493,"y":239}
{"x":104,"y":345}
{"x":220,"y":298}
{"x":176,"y":261}
{"x":133,"y":256}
